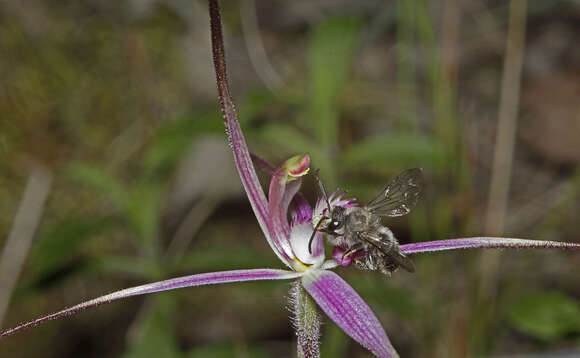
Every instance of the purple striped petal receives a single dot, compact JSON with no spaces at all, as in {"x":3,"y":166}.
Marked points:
{"x":211,"y":278}
{"x":284,"y":185}
{"x":349,"y":311}
{"x":236,"y":138}
{"x":279,"y":210}
{"x":485,"y":243}
{"x":300,"y":209}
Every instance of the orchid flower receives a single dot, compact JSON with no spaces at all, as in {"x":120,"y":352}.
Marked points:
{"x":315,"y":284}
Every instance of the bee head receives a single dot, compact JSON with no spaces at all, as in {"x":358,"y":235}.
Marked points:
{"x":336,"y":221}
{"x":330,"y":223}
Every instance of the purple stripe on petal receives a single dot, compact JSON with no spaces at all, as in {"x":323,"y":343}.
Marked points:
{"x":300,"y":210}
{"x":211,"y":278}
{"x":318,"y":245}
{"x":278,"y":203}
{"x":485,"y":243}
{"x":292,"y":189}
{"x":235,"y":136}
{"x":284,"y":185}
{"x":349,"y":311}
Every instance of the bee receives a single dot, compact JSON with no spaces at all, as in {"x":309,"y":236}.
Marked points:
{"x":372,"y":245}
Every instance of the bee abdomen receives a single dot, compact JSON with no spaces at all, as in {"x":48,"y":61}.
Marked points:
{"x":387,"y":235}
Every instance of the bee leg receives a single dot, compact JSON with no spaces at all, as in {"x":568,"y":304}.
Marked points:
{"x":385,"y":246}
{"x":352,"y":250}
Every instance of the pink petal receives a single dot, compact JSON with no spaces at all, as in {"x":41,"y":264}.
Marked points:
{"x":210,"y":278}
{"x":485,"y":243}
{"x":300,"y":210}
{"x":349,"y":311}
{"x":280,"y":196}
{"x":284,"y":185}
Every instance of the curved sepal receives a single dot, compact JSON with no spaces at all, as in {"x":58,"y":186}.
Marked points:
{"x":210,"y":278}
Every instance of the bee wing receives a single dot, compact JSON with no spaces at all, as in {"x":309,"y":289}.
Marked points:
{"x":400,"y":195}
{"x":393,"y":252}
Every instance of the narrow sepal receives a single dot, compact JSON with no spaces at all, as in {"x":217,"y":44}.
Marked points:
{"x":236,"y":139}
{"x":210,"y":278}
{"x":485,"y":243}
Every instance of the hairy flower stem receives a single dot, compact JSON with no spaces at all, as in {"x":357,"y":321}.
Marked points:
{"x":306,"y":322}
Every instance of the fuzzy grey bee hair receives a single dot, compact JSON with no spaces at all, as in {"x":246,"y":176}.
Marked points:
{"x":371,"y":244}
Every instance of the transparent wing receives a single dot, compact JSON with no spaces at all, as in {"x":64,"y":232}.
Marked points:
{"x":400,"y":195}
{"x":392,"y":252}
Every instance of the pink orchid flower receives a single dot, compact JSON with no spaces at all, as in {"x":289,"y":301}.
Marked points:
{"x":311,"y":271}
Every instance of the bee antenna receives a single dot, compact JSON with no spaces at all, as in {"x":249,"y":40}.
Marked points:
{"x":312,"y":237}
{"x":322,"y":189}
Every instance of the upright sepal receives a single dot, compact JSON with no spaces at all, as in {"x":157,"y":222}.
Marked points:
{"x":236,"y":138}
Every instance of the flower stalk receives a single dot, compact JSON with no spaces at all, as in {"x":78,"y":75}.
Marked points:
{"x":306,"y":322}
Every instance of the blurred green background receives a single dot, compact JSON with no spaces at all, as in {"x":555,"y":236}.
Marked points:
{"x":117,"y":101}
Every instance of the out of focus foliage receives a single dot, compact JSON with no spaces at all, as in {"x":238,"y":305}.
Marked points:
{"x":119,"y":100}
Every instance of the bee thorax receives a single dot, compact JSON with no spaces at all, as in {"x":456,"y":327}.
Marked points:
{"x":360,"y":219}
